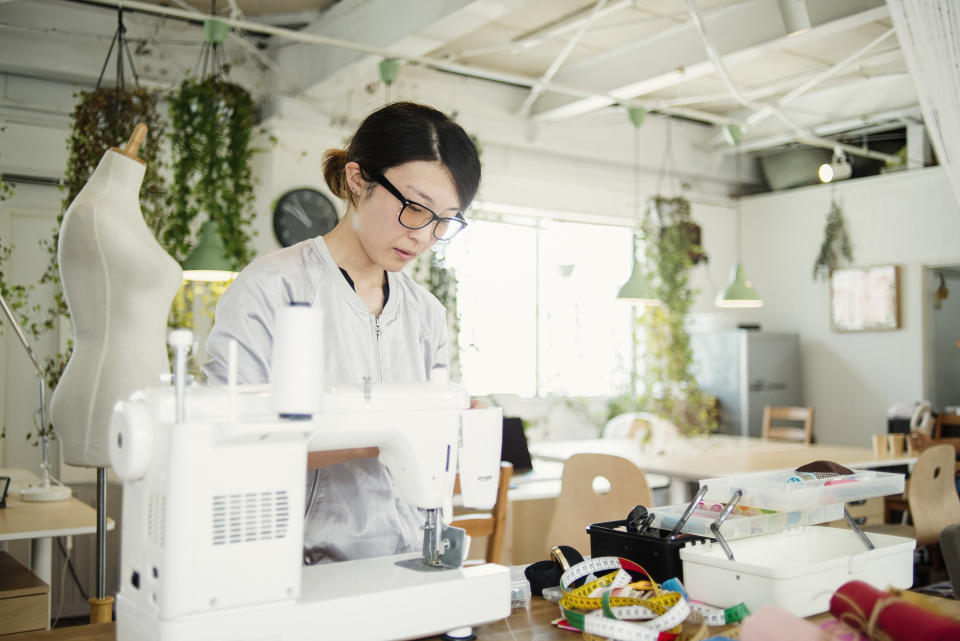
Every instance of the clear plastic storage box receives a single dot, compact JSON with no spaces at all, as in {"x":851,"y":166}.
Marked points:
{"x":743,"y":521}
{"x":791,"y":491}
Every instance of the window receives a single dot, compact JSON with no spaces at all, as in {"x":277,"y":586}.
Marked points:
{"x":538,"y":308}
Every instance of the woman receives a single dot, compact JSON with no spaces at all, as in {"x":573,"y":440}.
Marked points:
{"x":406,"y":177}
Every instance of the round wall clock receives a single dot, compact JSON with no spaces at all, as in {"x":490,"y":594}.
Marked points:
{"x":301,"y":214}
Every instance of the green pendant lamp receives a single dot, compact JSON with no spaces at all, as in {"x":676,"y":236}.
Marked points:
{"x":638,"y":288}
{"x":209,"y":260}
{"x":739,"y":292}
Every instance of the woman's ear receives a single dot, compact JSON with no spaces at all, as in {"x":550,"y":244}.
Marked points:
{"x":355,"y":181}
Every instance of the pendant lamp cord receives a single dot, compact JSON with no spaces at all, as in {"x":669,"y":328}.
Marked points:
{"x":738,"y":202}
{"x":212,"y":60}
{"x":667,"y":153}
{"x":636,"y":178}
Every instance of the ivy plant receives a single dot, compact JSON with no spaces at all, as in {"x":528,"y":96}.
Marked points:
{"x":212,"y":121}
{"x":836,"y":243}
{"x":431,"y":271}
{"x":17,"y":296}
{"x":672,"y":248}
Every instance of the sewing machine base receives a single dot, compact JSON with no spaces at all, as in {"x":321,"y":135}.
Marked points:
{"x":366,"y":600}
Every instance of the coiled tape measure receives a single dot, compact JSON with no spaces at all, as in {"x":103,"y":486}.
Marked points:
{"x":611,"y":602}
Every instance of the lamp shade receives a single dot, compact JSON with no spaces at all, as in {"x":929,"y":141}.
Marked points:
{"x":638,"y":287}
{"x":209,"y":261}
{"x":739,"y":292}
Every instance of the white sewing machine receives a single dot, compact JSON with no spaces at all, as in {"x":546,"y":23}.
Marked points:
{"x":213,"y":505}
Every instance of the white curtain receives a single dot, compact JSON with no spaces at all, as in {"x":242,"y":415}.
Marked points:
{"x":929,"y":33}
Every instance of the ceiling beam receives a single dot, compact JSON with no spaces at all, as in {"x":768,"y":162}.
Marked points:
{"x":622,"y":63}
{"x":540,"y":35}
{"x":801,"y":133}
{"x":761,"y":114}
{"x":538,"y":89}
{"x":903,"y":115}
{"x":430,"y":63}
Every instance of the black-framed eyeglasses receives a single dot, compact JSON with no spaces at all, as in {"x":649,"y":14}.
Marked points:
{"x":413,"y":215}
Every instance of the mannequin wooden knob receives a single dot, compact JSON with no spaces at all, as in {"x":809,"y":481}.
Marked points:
{"x":133,"y":145}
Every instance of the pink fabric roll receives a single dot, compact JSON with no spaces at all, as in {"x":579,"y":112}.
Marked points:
{"x":771,"y":623}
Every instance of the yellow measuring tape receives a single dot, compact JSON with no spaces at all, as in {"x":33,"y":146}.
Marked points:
{"x":604,"y":606}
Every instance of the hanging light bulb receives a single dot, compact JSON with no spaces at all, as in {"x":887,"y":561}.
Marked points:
{"x":638,"y":288}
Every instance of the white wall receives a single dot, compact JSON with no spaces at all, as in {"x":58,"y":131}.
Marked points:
{"x":907,"y":219}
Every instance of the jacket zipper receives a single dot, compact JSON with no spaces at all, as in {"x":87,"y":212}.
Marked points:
{"x":377,"y":330}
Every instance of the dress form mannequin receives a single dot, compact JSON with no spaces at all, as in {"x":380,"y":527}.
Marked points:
{"x":119,"y":283}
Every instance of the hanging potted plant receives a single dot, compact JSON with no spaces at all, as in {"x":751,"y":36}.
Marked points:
{"x":212,"y":121}
{"x":670,"y":388}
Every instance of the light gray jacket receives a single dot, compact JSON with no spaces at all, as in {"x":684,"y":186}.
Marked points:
{"x":353,"y":510}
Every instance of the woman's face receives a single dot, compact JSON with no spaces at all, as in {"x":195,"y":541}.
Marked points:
{"x":377,"y":224}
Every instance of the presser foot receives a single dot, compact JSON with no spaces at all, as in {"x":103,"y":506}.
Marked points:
{"x":445,"y":551}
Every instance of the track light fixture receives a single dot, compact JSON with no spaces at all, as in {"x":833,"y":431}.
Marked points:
{"x":838,"y":169}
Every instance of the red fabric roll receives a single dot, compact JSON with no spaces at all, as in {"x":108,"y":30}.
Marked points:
{"x":855,"y":603}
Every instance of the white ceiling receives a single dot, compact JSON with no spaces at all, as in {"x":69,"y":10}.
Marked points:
{"x":546,"y":61}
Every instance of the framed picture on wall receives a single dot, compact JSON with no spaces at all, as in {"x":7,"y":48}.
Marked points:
{"x":865,"y":298}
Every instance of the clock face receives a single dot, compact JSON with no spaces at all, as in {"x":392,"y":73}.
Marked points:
{"x":301,"y":214}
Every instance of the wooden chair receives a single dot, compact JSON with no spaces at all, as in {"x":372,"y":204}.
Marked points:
{"x":947,"y":421}
{"x":579,"y":504}
{"x":492,"y":525}
{"x":780,"y":423}
{"x":932,"y":495}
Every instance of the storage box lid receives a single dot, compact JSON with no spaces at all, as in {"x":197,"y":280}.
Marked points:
{"x":788,"y":491}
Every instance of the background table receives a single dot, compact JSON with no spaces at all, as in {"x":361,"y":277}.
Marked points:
{"x":39,"y":522}
{"x":687,"y":460}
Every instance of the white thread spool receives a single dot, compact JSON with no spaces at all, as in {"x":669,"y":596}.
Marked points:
{"x":296,"y":368}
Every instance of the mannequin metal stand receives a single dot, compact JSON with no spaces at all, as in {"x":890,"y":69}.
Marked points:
{"x":101,"y":606}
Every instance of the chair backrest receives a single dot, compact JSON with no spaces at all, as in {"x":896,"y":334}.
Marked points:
{"x":492,"y":525}
{"x":932,"y":494}
{"x":628,"y":424}
{"x":946,"y":423}
{"x":782,"y":423}
{"x":579,"y":504}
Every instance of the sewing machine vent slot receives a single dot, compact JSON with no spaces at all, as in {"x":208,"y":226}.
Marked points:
{"x":250,"y":517}
{"x":156,"y":519}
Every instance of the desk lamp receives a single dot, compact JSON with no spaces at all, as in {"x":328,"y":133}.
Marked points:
{"x":45,"y":491}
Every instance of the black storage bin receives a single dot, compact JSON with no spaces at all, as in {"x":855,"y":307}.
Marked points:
{"x":651,"y":550}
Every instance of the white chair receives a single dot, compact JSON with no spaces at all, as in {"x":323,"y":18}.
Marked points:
{"x":630,"y":424}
